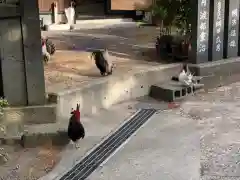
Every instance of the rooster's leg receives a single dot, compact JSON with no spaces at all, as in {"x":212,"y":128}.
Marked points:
{"x":77,"y":145}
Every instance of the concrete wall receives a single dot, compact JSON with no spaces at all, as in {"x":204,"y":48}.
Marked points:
{"x":13,"y":119}
{"x":98,"y":95}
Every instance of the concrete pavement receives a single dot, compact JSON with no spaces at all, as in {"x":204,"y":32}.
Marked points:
{"x":168,"y":148}
{"x":200,"y":140}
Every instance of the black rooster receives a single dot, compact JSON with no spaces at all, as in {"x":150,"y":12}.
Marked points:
{"x":76,"y":130}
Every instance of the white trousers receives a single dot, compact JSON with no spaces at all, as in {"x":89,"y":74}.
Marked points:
{"x":70,"y":14}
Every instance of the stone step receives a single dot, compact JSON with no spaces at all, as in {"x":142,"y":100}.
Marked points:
{"x":10,"y":140}
{"x":41,"y":114}
{"x":14,"y":118}
{"x":38,"y":135}
{"x":172,"y":91}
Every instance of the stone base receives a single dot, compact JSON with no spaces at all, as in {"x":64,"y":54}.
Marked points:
{"x":13,"y":120}
{"x":44,"y":134}
{"x":38,"y":135}
{"x":217,"y":73}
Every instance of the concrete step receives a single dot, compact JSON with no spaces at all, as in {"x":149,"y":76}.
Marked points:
{"x":40,"y":114}
{"x":38,"y":135}
{"x":92,"y":24}
{"x":103,"y":23}
{"x":14,"y":118}
{"x":58,"y":27}
{"x":10,"y":140}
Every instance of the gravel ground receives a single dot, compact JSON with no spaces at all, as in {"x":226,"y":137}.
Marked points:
{"x":71,"y":65}
{"x":28,"y":164}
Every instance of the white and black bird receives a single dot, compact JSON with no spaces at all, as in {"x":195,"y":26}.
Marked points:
{"x":103,"y":61}
{"x":185,"y":76}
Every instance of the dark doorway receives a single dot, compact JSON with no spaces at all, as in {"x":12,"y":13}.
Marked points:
{"x":90,"y":9}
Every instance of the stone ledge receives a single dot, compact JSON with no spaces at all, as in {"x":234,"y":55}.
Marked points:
{"x":217,"y":73}
{"x":38,"y":135}
{"x":10,"y":140}
{"x":30,"y":114}
{"x":58,"y":27}
{"x":14,"y":118}
{"x":55,"y":137}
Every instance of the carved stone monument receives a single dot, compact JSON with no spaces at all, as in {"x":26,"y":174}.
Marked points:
{"x":21,"y":66}
{"x":215,"y":40}
{"x":231,"y":29}
{"x":200,"y":31}
{"x":216,"y":26}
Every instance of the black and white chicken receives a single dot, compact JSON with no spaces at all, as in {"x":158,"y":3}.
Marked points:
{"x":76,"y":130}
{"x":103,"y":61}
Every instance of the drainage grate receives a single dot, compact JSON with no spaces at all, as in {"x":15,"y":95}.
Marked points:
{"x":91,"y":162}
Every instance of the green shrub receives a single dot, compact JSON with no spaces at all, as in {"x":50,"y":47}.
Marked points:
{"x":3,"y":103}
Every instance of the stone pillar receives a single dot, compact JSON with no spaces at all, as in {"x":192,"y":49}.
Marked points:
{"x":32,"y":52}
{"x":200,"y":30}
{"x":13,"y":79}
{"x":216,"y":26}
{"x":231,"y":30}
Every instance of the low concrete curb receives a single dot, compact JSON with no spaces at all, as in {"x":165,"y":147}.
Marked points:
{"x":10,"y":140}
{"x":92,"y":24}
{"x":58,"y":27}
{"x":31,"y":114}
{"x":217,"y":73}
{"x":105,"y":92}
{"x":14,"y":118}
{"x":58,"y":138}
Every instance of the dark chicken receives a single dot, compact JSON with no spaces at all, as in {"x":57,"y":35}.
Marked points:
{"x":76,"y":130}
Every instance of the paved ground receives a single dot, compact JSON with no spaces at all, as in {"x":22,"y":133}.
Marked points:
{"x":131,"y":48}
{"x":199,"y":139}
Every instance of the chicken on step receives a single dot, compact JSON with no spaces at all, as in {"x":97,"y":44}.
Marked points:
{"x":76,"y":130}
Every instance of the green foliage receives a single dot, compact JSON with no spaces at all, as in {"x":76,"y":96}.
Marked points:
{"x":173,"y":12}
{"x":182,"y":19}
{"x":159,"y":11}
{"x":3,"y":103}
